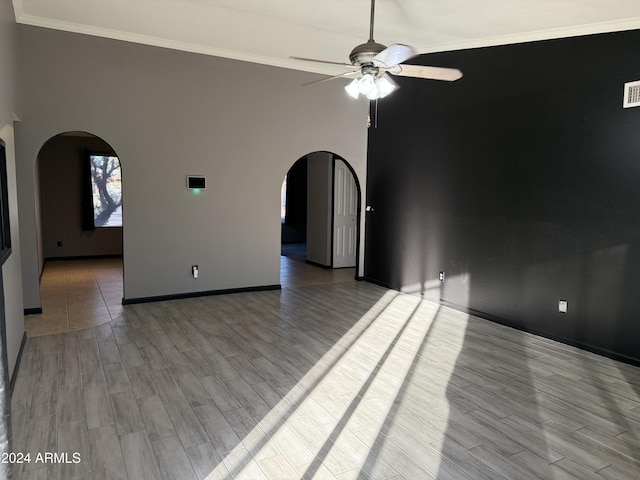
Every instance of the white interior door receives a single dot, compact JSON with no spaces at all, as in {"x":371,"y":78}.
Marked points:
{"x":345,"y":216}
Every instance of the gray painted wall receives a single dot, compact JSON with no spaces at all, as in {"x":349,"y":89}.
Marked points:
{"x":169,"y":114}
{"x":9,"y":109}
{"x":319,"y":205}
{"x":60,"y":171}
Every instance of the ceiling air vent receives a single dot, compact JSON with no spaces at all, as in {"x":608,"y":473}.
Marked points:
{"x":631,"y":94}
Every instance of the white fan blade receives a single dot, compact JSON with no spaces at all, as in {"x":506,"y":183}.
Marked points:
{"x":330,"y":78}
{"x":432,"y":73}
{"x":321,"y":61}
{"x":394,"y":54}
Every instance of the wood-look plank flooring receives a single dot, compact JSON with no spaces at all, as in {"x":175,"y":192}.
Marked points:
{"x":336,"y":380}
{"x":83,"y":293}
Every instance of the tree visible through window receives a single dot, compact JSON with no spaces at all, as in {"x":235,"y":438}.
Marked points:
{"x":106,"y":188}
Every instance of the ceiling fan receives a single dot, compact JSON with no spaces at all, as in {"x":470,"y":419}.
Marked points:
{"x":374,"y":61}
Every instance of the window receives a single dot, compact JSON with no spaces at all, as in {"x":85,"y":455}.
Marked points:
{"x":106,"y":190}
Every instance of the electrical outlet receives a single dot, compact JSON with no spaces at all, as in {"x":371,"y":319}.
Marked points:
{"x":563,"y":305}
{"x":441,"y":276}
{"x":194,"y":271}
{"x":59,"y":243}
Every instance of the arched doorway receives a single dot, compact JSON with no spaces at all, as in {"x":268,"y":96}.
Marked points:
{"x":79,"y":205}
{"x":320,"y":216}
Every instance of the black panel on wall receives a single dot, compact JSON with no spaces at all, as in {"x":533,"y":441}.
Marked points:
{"x":522,"y":182}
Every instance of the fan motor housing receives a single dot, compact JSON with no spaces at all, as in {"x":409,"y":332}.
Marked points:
{"x":363,"y":54}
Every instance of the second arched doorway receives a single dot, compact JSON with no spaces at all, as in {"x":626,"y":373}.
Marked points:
{"x":320,"y":218}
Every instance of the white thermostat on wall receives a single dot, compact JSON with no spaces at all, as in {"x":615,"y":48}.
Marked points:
{"x":196,"y":182}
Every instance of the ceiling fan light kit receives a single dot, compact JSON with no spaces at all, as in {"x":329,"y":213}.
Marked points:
{"x":373,"y":87}
{"x":374,"y":62}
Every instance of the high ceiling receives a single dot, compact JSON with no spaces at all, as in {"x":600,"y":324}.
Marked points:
{"x":269,"y":31}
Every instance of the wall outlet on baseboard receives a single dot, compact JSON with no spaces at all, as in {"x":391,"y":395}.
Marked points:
{"x":563,"y":305}
{"x":441,"y":276}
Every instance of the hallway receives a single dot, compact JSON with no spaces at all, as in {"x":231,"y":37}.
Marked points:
{"x":294,"y":271}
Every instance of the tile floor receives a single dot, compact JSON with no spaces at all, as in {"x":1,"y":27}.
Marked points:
{"x":329,"y":381}
{"x":77,"y":294}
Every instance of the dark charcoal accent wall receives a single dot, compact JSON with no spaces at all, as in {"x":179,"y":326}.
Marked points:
{"x":522,"y":182}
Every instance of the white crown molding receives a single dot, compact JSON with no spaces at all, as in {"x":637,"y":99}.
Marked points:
{"x":37,"y":21}
{"x":538,"y":35}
